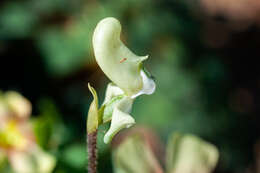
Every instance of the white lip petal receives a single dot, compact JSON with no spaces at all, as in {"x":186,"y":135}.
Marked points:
{"x":148,"y":85}
{"x":120,"y":118}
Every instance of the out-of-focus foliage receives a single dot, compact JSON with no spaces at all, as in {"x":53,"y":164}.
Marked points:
{"x":134,"y":156}
{"x":185,"y":153}
{"x":206,"y":72}
{"x":49,"y":129}
{"x":75,"y":156}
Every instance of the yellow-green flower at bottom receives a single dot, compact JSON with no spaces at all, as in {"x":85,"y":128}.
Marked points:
{"x":11,"y":137}
{"x":17,"y":140}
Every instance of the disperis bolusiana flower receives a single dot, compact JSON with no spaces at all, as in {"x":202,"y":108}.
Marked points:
{"x":128,"y":76}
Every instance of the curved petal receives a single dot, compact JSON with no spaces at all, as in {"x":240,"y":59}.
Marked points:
{"x":148,"y":85}
{"x":120,"y":118}
{"x":119,"y":63}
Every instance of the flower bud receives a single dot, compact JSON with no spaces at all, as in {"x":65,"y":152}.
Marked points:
{"x":92,"y":122}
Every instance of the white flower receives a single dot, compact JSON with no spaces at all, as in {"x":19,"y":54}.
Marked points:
{"x":125,"y":70}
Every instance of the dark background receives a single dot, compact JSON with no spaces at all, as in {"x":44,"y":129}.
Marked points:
{"x":203,"y":54}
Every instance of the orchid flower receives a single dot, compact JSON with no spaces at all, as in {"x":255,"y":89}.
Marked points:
{"x":120,"y":64}
{"x":125,"y":70}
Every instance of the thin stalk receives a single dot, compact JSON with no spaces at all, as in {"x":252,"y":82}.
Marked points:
{"x":92,"y":152}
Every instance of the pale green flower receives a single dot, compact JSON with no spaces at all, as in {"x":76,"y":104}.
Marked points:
{"x":125,"y":70}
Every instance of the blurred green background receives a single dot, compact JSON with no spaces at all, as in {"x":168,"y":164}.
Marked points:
{"x":204,"y":62}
